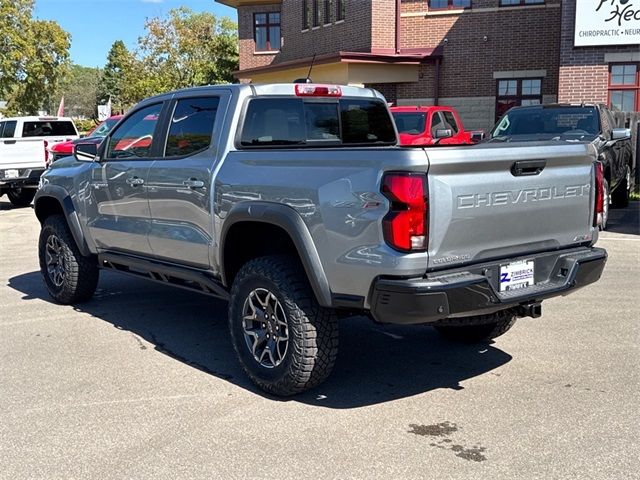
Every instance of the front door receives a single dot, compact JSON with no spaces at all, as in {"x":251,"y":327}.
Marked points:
{"x":118,"y":209}
{"x":179,"y":185}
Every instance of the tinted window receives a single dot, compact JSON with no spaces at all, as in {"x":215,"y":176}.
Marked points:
{"x":574,"y":121}
{"x":134,"y":137}
{"x":191,"y":126}
{"x":48,"y":129}
{"x":291,"y":121}
{"x":450,"y":121}
{"x":9,"y":129}
{"x":1,"y":129}
{"x":366,"y":121}
{"x":410,"y":123}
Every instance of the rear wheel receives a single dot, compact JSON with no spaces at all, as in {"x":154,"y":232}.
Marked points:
{"x":620,"y":196}
{"x":285,"y":341}
{"x":69,"y":276}
{"x":21,"y":197}
{"x":478,"y":329}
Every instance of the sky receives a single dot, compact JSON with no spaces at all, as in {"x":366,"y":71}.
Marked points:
{"x":95,"y":24}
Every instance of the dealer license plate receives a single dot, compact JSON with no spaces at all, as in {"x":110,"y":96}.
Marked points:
{"x":11,"y":174}
{"x":516,"y":275}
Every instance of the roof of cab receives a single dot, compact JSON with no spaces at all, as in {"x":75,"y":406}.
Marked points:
{"x":34,"y":118}
{"x":280,"y":89}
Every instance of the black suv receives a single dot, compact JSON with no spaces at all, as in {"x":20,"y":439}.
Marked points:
{"x":577,"y":123}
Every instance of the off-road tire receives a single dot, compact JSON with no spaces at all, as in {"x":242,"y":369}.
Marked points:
{"x":620,"y":196}
{"x":477,"y":329}
{"x":80,"y":277}
{"x":21,"y":197}
{"x":312,"y":329}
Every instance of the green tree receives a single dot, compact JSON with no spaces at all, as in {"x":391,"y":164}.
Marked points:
{"x":182,"y":50}
{"x":34,"y":55}
{"x":80,"y":89}
{"x":119,"y":66}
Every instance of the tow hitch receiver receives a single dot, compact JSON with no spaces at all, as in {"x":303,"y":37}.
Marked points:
{"x":533,"y":310}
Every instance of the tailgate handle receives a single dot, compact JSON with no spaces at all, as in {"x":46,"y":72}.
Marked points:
{"x":528,"y":167}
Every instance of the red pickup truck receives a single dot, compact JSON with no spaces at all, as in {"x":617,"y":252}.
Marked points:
{"x":433,"y":125}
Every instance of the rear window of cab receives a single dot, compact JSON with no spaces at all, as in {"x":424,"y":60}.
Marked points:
{"x":294,"y":122}
{"x":48,"y":129}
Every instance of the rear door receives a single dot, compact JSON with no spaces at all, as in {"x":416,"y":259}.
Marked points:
{"x":179,"y":184}
{"x":118,"y":209}
{"x":495,"y":201}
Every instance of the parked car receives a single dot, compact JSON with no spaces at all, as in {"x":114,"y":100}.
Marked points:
{"x":433,"y":125}
{"x":64,"y":149}
{"x":24,"y":143}
{"x":578,"y":123}
{"x":294,"y":203}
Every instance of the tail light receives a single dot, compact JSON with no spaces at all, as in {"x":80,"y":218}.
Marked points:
{"x":46,"y":154}
{"x":599,"y":196}
{"x":405,"y":226}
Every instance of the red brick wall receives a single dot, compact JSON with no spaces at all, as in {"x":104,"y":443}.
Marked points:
{"x":245,"y":34}
{"x":584,"y":75}
{"x":517,"y":39}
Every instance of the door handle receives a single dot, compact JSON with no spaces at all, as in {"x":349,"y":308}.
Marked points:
{"x":10,"y":142}
{"x":135,"y":181}
{"x":528,"y":167}
{"x":193,"y":183}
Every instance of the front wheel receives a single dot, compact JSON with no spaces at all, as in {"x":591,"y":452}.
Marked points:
{"x":21,"y":197}
{"x":285,"y":341}
{"x":480,"y":329}
{"x":69,"y":276}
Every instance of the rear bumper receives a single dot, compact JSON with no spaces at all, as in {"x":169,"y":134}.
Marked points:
{"x":475,"y":290}
{"x":27,"y":178}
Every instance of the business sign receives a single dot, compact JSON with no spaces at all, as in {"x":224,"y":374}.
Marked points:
{"x":607,"y":22}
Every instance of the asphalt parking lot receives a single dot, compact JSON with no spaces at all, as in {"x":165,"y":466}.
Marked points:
{"x":141,"y":382}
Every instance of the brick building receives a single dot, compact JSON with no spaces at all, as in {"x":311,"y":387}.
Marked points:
{"x":480,"y":56}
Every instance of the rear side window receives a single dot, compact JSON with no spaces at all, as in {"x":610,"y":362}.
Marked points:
{"x":9,"y":129}
{"x":294,"y":122}
{"x":450,"y":121}
{"x":1,"y":129}
{"x":191,"y":126}
{"x":48,"y":129}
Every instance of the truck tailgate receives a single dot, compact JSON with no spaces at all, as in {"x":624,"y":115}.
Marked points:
{"x":19,"y":153}
{"x":489,"y":201}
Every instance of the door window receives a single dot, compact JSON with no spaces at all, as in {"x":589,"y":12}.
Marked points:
{"x":191,"y":126}
{"x":436,"y":123}
{"x":1,"y":129}
{"x":450,"y":121}
{"x":9,"y":129}
{"x":134,"y":137}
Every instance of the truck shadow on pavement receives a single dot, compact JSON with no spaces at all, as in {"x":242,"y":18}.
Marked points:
{"x":376,"y":363}
{"x":625,"y":220}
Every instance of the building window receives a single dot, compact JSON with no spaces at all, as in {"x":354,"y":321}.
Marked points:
{"x":624,"y":87}
{"x":510,"y":3}
{"x":266,"y":31}
{"x":328,"y":8}
{"x":305,"y":14}
{"x":316,"y":13}
{"x":339,"y":10}
{"x":449,"y":4}
{"x":517,"y":91}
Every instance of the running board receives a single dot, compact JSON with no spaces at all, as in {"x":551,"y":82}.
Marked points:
{"x":161,"y":273}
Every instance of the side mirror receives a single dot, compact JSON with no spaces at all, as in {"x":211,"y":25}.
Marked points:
{"x":620,"y":134}
{"x":85,"y":152}
{"x":477,"y":136}
{"x":444,"y":133}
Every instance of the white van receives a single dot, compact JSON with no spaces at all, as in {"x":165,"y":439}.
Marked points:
{"x":23,"y":152}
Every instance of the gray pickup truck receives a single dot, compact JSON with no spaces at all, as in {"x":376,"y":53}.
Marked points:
{"x":294,"y":203}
